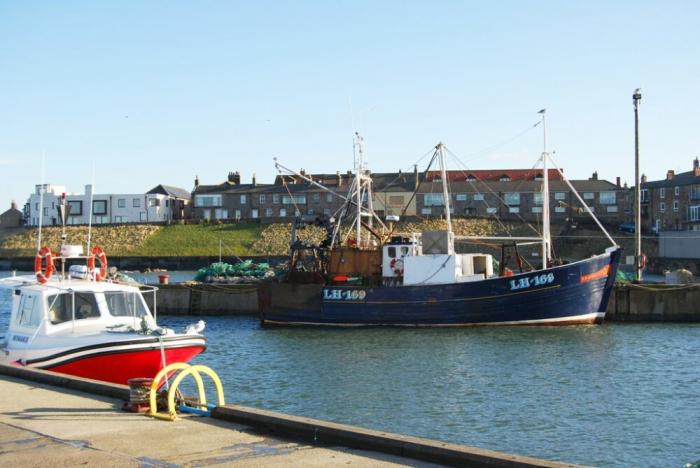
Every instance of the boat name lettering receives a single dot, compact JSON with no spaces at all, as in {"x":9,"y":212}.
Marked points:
{"x":344,"y":294}
{"x":529,"y":281}
{"x":20,"y":338}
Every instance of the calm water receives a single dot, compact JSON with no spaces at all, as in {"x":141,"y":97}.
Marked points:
{"x":611,"y":395}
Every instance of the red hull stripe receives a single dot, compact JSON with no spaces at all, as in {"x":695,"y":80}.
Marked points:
{"x":150,"y":343}
{"x":120,"y":367}
{"x":602,"y":273}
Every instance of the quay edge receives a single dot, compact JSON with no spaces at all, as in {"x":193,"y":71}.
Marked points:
{"x":311,"y":432}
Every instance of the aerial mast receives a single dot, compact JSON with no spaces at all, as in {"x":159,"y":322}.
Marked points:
{"x":446,"y":196}
{"x":636,"y":97}
{"x":546,"y":235}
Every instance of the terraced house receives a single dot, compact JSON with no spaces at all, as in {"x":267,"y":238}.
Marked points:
{"x":673,"y":203}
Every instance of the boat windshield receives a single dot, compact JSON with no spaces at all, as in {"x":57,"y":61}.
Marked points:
{"x":61,"y":307}
{"x":125,"y":304}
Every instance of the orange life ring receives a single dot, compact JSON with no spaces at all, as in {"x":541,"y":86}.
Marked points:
{"x":99,"y":253}
{"x":43,"y":274}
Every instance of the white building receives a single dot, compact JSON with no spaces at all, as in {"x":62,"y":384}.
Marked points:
{"x":155,"y":206}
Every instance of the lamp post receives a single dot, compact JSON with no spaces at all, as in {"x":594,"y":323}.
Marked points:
{"x":636,"y":97}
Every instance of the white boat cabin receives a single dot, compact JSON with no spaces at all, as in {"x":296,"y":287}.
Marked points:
{"x":72,"y":307}
{"x":428,"y":259}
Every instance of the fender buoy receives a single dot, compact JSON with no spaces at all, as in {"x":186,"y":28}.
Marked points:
{"x":99,"y":253}
{"x":643,"y":261}
{"x":43,"y":274}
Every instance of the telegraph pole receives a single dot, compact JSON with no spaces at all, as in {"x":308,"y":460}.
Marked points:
{"x":636,"y":97}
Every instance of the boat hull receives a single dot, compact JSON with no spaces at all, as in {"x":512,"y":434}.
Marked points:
{"x":576,"y":293}
{"x":119,"y":361}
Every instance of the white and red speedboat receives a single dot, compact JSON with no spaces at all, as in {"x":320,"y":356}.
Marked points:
{"x":79,"y":322}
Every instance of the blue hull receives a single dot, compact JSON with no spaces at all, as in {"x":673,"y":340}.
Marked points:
{"x":569,"y":294}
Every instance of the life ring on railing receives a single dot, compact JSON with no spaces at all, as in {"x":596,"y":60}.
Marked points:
{"x":43,"y":274}
{"x":397,"y":266}
{"x":99,"y":253}
{"x":643,"y":261}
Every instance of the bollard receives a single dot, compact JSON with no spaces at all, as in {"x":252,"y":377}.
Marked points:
{"x":139,"y":394}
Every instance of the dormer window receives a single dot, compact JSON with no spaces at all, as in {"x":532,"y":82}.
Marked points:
{"x":470,"y":178}
{"x":538,"y":176}
{"x":505,"y":178}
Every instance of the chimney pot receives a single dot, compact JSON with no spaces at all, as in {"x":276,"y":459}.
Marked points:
{"x":669,"y":174}
{"x":644,"y":179}
{"x":13,"y":205}
{"x":196,"y":181}
{"x":617,"y":181}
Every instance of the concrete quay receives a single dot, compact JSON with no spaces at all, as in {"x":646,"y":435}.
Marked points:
{"x":53,"y":420}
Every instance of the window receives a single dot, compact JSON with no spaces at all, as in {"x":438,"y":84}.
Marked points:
{"x":391,"y":252}
{"x":123,"y":304}
{"x":512,"y":198}
{"x":136,"y":203}
{"x":504,"y":178}
{"x":46,"y":211}
{"x":607,"y":198}
{"x":662,"y":207}
{"x":206,"y":214}
{"x":559,"y":209}
{"x":316,"y":197}
{"x":470,"y":178}
{"x":268,"y":212}
{"x":237,"y":215}
{"x":254,"y":213}
{"x":662,"y":192}
{"x":310,"y":211}
{"x":142,"y":216}
{"x":297,"y":213}
{"x":220,"y":213}
{"x":513,"y":209}
{"x":675,"y":205}
{"x":100,"y":219}
{"x":588,"y":195}
{"x":120,"y":219}
{"x":492,"y":210}
{"x":327,"y":211}
{"x":283,"y":212}
{"x":275,"y":198}
{"x":461,"y":197}
{"x":153,"y":202}
{"x":121,"y":202}
{"x":61,"y":307}
{"x":425,"y":211}
{"x":537,"y":209}
{"x":478,"y":197}
{"x":28,"y":314}
{"x":611,"y":209}
{"x":295,"y":199}
{"x":99,"y":207}
{"x":592,"y":208}
{"x":206,"y":200}
{"x":677,"y":191}
{"x":694,"y":213}
{"x":262,"y":199}
{"x":560,"y":195}
{"x":538,"y":200}
{"x":644,"y":195}
{"x":243,"y":199}
{"x":329,"y":197}
{"x":76,"y":207}
{"x":433,"y":199}
{"x":167,"y":203}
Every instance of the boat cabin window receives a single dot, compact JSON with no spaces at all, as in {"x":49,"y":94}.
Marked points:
{"x":391,"y":252}
{"x":404,"y":251}
{"x":28,"y":314}
{"x":125,"y":304}
{"x":61,"y":307}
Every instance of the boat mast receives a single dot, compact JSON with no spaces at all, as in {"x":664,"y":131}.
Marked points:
{"x":358,"y":153}
{"x":546,"y":235}
{"x":446,"y":197}
{"x":636,"y":97}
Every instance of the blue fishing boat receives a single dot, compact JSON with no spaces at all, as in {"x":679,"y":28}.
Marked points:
{"x":382,"y":278}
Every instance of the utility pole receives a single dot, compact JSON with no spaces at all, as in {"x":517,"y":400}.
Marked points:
{"x":636,"y":97}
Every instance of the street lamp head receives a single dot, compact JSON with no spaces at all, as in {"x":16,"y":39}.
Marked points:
{"x":637,"y":94}
{"x":541,"y":111}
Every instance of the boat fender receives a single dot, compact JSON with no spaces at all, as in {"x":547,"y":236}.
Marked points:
{"x":99,"y":253}
{"x":43,"y":274}
{"x":508,"y":272}
{"x":643,"y":261}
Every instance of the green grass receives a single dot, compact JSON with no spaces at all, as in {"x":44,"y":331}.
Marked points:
{"x":199,"y":239}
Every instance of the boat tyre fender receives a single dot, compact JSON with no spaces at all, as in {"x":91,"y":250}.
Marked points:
{"x":99,"y":254}
{"x":43,"y":273}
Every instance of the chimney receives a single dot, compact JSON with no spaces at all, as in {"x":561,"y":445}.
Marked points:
{"x":196,"y":181}
{"x":88,"y":190}
{"x":669,"y":174}
{"x":254,"y":183}
{"x":617,"y":181}
{"x":302,"y":172}
{"x":234,"y":178}
{"x":696,"y":168}
{"x":340,"y":178}
{"x":415,"y":173}
{"x":13,"y":205}
{"x":644,"y":179}
{"x":594,"y":176}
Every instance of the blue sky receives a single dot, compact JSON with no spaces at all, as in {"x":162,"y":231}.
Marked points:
{"x":157,"y":92}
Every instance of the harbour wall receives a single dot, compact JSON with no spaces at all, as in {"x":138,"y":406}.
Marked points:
{"x":281,"y":427}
